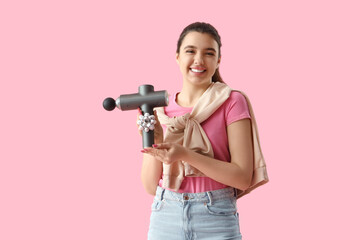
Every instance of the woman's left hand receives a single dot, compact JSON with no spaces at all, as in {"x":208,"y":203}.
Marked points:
{"x":167,"y":152}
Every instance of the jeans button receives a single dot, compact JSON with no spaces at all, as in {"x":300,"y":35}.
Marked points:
{"x":186,"y":197}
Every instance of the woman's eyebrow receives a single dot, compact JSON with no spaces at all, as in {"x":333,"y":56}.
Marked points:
{"x":208,"y":49}
{"x":211,"y":49}
{"x":189,"y":46}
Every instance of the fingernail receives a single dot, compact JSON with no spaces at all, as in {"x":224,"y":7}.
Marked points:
{"x":155,"y":145}
{"x":143,"y":151}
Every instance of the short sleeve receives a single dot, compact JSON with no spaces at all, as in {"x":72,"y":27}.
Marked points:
{"x":236,"y":108}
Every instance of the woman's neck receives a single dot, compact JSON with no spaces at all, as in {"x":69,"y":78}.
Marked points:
{"x":190,"y":94}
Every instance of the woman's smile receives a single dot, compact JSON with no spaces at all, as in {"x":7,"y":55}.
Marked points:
{"x":197,"y":70}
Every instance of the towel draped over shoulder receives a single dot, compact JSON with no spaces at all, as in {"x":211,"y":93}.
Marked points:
{"x":187,"y":131}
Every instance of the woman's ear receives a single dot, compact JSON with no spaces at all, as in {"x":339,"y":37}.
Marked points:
{"x":177,"y":58}
{"x":218,"y":62}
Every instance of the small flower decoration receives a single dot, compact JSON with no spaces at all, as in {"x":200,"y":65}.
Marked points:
{"x":146,"y":122}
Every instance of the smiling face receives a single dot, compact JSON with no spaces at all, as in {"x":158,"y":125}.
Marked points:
{"x":198,"y":58}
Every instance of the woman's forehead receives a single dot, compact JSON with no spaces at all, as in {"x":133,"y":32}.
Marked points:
{"x":199,"y":40}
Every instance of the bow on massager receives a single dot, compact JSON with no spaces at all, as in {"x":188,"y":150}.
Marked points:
{"x":146,"y":99}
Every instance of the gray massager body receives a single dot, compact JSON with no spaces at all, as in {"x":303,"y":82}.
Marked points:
{"x":146,"y":99}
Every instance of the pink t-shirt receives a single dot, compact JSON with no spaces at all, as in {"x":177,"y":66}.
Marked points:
{"x":233,"y":109}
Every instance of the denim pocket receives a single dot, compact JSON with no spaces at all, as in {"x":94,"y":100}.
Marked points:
{"x":224,"y":207}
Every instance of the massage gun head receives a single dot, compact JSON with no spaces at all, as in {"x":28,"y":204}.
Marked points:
{"x":109,"y":104}
{"x":146,"y":99}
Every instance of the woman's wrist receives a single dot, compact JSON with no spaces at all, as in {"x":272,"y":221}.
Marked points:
{"x":187,"y":155}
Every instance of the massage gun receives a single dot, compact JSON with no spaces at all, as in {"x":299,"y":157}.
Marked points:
{"x":146,"y":99}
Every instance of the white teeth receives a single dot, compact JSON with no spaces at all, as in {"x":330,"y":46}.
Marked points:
{"x":197,"y":70}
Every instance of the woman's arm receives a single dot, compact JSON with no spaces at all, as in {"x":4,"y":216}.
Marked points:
{"x":237,"y":173}
{"x":151,"y":170}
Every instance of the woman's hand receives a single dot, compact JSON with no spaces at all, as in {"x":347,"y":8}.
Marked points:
{"x":167,"y":152}
{"x":158,"y":131}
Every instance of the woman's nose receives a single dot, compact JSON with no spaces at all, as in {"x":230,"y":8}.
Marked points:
{"x":198,"y":59}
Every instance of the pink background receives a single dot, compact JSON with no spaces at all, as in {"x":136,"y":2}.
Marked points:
{"x":71,"y":170}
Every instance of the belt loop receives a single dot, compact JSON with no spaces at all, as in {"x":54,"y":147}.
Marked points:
{"x":210,"y":197}
{"x":235,"y":192}
{"x":162,"y":194}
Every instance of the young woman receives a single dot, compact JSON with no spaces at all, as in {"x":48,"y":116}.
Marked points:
{"x":205,"y":161}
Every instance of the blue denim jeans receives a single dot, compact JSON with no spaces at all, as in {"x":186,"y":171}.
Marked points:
{"x":189,"y":216}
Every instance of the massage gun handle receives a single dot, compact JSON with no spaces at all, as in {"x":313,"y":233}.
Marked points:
{"x":147,"y":137}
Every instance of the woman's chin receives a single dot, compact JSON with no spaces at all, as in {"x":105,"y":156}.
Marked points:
{"x":199,"y":82}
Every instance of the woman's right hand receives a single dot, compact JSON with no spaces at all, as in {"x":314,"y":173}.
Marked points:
{"x":158,"y":131}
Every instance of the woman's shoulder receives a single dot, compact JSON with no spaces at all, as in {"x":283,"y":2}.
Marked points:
{"x":236,"y":97}
{"x":236,"y":107}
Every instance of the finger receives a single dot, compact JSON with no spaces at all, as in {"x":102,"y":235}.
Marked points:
{"x":162,"y":146}
{"x":146,"y":150}
{"x":137,"y":126}
{"x":156,"y":116}
{"x":137,"y":121}
{"x":159,"y":154}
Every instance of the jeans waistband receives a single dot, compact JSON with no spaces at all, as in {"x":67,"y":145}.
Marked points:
{"x":162,"y":193}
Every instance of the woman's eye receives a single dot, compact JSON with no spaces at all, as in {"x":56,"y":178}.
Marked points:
{"x":210,"y":53}
{"x":190,"y":51}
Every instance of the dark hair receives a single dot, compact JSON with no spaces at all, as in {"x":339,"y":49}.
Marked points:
{"x":202,"y":27}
